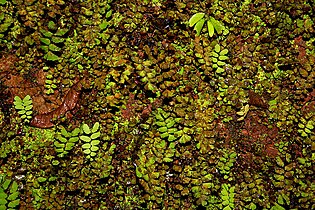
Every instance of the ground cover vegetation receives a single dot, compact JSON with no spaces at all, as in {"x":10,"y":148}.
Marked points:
{"x":158,"y":104}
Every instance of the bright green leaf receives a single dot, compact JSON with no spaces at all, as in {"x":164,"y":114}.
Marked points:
{"x":138,"y":173}
{"x":217,"y":25}
{"x":170,"y":124}
{"x":199,"y":25}
{"x":87,"y":151}
{"x":75,"y":132}
{"x":94,"y":148}
{"x":103,"y":25}
{"x":166,"y":159}
{"x":171,"y":138}
{"x":108,"y":14}
{"x":6,"y":184}
{"x":307,"y":130}
{"x":53,"y":47}
{"x":95,"y":135}
{"x":46,"y":41}
{"x":280,"y":200}
{"x":57,"y":144}
{"x":220,"y":63}
{"x":162,"y":129}
{"x":62,"y":139}
{"x":219,"y":70}
{"x":172,"y":145}
{"x":55,"y":162}
{"x":223,"y":57}
{"x":272,"y":102}
{"x":51,"y":25}
{"x":3,"y":195}
{"x":41,"y":179}
{"x":164,"y":135}
{"x":45,"y":48}
{"x":95,"y":142}
{"x":185,"y":138}
{"x":61,"y":32}
{"x":18,"y":99}
{"x":161,"y":124}
{"x":309,"y":125}
{"x":95,"y":127}
{"x":28,"y":102}
{"x":86,"y":129}
{"x":277,"y":207}
{"x":27,"y":98}
{"x":29,"y":107}
{"x":14,"y":203}
{"x":217,"y":48}
{"x":304,"y":134}
{"x":57,"y":40}
{"x":112,"y":148}
{"x":172,"y":130}
{"x":224,"y":52}
{"x":64,"y":132}
{"x":73,"y":139}
{"x":2,"y":203}
{"x":22,"y":111}
{"x":86,"y":146}
{"x":59,"y":150}
{"x":214,"y":54}
{"x":210,"y":28}
{"x":46,"y":33}
{"x":19,"y":106}
{"x":85,"y":138}
{"x":69,"y":146}
{"x":159,"y":117}
{"x":195,"y":18}
{"x":225,"y":31}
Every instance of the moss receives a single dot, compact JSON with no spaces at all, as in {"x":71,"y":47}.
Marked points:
{"x":216,"y":121}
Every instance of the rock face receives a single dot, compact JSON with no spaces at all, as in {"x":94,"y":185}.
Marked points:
{"x":68,"y":104}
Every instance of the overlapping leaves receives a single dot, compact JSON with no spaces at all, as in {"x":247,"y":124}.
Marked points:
{"x":198,"y":20}
{"x":9,"y":194}
{"x":52,"y":41}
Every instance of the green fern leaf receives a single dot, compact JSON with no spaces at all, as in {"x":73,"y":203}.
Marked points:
{"x":210,"y":28}
{"x":199,"y":25}
{"x":195,"y":18}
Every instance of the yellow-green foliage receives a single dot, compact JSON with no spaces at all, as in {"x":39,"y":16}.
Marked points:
{"x":9,"y":193}
{"x":90,"y":137}
{"x":24,"y":107}
{"x":198,"y":20}
{"x":222,"y":118}
{"x":65,"y":141}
